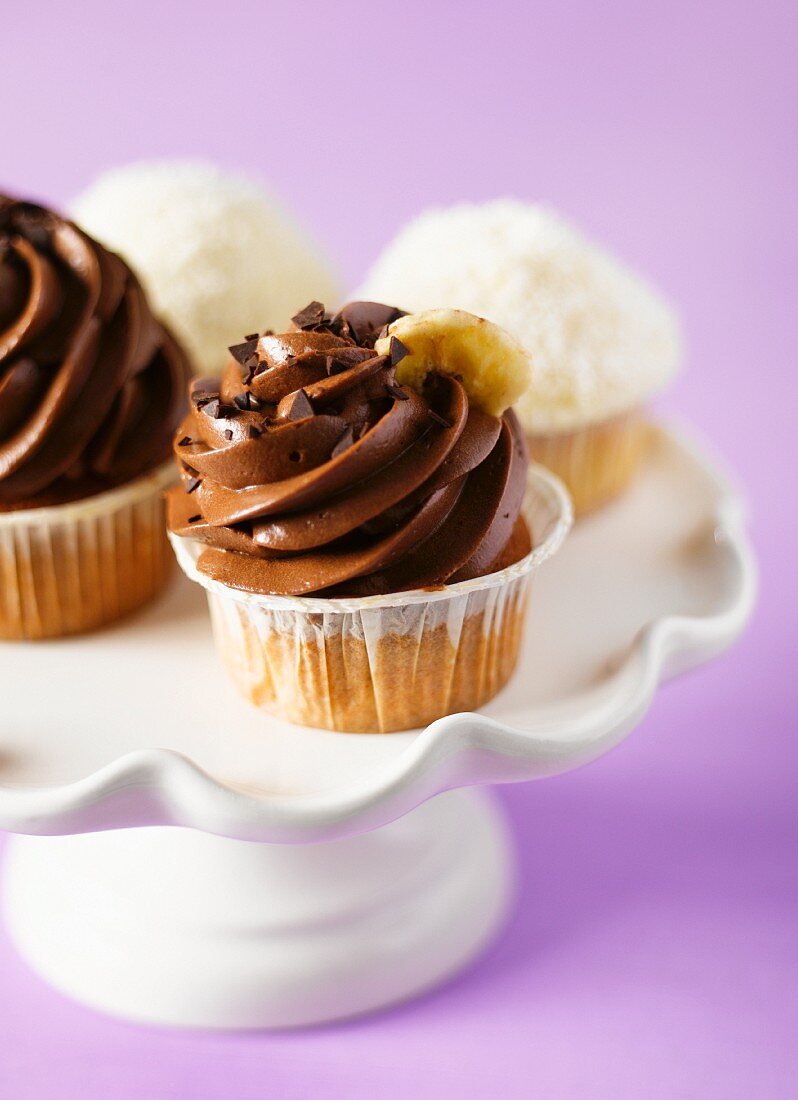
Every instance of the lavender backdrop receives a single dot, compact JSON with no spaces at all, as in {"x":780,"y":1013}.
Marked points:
{"x":654,"y":950}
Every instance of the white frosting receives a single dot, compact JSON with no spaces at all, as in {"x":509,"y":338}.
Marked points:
{"x":217,"y":254}
{"x":601,"y":339}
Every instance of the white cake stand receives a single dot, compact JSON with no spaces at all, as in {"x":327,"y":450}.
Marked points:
{"x":335,"y":883}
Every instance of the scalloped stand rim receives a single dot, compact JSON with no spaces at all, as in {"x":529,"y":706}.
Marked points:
{"x":362,"y":933}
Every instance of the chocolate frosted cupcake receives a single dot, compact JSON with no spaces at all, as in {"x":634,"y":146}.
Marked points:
{"x":352,"y":500}
{"x":91,"y":389}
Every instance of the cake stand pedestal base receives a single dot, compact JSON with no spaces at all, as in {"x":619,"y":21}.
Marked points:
{"x":177,"y":927}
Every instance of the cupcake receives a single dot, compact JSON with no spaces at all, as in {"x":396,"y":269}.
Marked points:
{"x":601,"y":340}
{"x":216,"y":253}
{"x":351,"y":499}
{"x":91,"y":390}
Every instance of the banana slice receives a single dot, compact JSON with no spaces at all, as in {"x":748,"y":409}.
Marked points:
{"x":493,"y":367}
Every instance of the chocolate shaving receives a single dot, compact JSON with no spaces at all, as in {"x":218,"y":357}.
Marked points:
{"x":246,"y":401}
{"x":367,"y":319}
{"x":193,"y":519}
{"x":398,"y":351}
{"x":310,"y":316}
{"x":340,"y":361}
{"x":439,"y":419}
{"x":192,"y":484}
{"x":397,"y":391}
{"x":204,"y":390}
{"x":217,"y":411}
{"x":339,"y":326}
{"x":295,"y":406}
{"x":251,"y":336}
{"x":228,"y":434}
{"x":186,"y":441}
{"x":343,"y":444}
{"x":254,"y":433}
{"x":242,"y":352}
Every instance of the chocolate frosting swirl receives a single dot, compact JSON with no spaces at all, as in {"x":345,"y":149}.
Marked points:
{"x":92,"y":387}
{"x":307,"y":469}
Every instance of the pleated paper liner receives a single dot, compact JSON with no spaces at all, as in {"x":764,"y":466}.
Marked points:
{"x":595,"y":462}
{"x":74,"y":567}
{"x":383,"y":663}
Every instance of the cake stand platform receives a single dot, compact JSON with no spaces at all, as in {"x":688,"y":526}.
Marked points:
{"x":313,"y":875}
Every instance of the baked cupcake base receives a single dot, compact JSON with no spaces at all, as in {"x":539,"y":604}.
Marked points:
{"x":74,"y":567}
{"x":382,"y":663}
{"x":374,"y":671}
{"x":596,"y":462}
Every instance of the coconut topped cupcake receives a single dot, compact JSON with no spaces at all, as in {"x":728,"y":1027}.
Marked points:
{"x":91,"y":385}
{"x":216,"y":252}
{"x":362,"y":452}
{"x":601,"y":339}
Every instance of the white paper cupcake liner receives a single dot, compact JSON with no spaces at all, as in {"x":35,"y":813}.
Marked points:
{"x":382,"y":663}
{"x":73,"y":567}
{"x":595,"y":461}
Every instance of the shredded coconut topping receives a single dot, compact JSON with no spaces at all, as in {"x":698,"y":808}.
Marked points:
{"x":600,"y":338}
{"x":216,"y":253}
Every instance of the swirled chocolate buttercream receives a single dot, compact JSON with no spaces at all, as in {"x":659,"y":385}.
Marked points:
{"x":309,"y":469}
{"x":91,"y":385}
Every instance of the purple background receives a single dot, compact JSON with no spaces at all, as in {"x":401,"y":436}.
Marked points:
{"x":654,"y":950}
